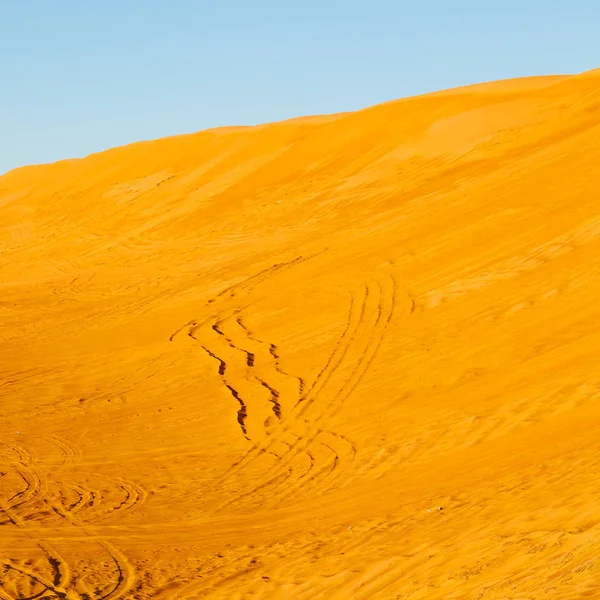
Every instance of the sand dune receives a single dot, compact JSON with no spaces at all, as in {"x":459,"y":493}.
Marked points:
{"x":343,"y":357}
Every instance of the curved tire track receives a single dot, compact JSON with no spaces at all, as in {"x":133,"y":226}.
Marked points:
{"x":19,"y":514}
{"x":382,"y":316}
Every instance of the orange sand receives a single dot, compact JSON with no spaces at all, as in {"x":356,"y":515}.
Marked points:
{"x":255,"y":362}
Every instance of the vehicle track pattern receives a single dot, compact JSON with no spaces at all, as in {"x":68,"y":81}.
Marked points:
{"x":43,"y":498}
{"x":369,"y":315}
{"x":303,"y":454}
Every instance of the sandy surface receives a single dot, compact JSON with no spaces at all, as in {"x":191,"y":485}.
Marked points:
{"x":343,"y":357}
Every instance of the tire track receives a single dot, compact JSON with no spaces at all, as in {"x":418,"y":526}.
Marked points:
{"x":86,"y":498}
{"x":339,"y":352}
{"x":242,"y":413}
{"x":282,"y":476}
{"x":245,"y":285}
{"x":293,"y":483}
{"x":261,"y":276}
{"x":385,"y":303}
{"x":274,"y":397}
{"x":317,"y":477}
{"x":125,"y":573}
{"x":356,"y":318}
{"x":273,"y":351}
{"x":385,"y":308}
{"x":370,"y":312}
{"x":24,"y":501}
{"x":71,"y":455}
{"x":50,"y":586}
{"x":60,"y":569}
{"x":385,"y":311}
{"x":61,"y":581}
{"x":133,"y":496}
{"x":250,"y":362}
{"x":331,"y":365}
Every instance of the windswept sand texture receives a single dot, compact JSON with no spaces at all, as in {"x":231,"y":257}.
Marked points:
{"x":255,"y":362}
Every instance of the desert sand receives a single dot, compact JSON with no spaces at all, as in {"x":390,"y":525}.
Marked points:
{"x":345,"y":357}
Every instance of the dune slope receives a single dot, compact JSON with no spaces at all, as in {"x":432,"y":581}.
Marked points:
{"x":353,"y":356}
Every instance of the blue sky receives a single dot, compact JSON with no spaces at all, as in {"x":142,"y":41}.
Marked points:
{"x":78,"y":77}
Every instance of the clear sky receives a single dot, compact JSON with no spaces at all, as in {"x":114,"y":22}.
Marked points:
{"x":79,"y":76}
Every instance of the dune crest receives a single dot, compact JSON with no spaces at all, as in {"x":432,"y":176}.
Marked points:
{"x":349,"y":356}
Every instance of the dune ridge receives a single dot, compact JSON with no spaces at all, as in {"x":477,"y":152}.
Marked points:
{"x":349,"y":356}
